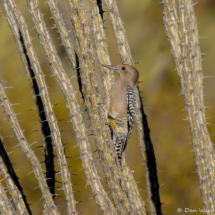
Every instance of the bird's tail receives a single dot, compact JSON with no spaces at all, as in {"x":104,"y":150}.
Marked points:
{"x":119,"y":143}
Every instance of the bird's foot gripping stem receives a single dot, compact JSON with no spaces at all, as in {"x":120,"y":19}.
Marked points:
{"x":107,"y":113}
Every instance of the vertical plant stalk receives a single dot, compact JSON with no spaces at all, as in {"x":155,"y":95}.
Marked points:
{"x":90,"y":89}
{"x":101,"y":44}
{"x":73,"y":107}
{"x":61,"y":158}
{"x":39,"y":100}
{"x":181,"y":28}
{"x":66,"y":41}
{"x":141,"y":120}
{"x":112,"y":171}
{"x":68,"y":45}
{"x":119,"y":31}
{"x":12,"y":182}
{"x":29,"y":154}
{"x":14,"y":192}
{"x":5,"y":205}
{"x":45,"y":127}
{"x":103,"y":57}
{"x":69,"y":49}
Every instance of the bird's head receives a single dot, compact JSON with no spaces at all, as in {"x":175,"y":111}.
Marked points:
{"x":126,"y":71}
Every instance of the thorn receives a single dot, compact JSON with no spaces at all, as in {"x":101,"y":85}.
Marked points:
{"x":59,"y":120}
{"x":39,"y":146}
{"x":37,"y":130}
{"x":55,"y":105}
{"x":16,"y":146}
{"x":30,"y":173}
{"x":33,"y":143}
{"x":36,"y":188}
{"x":41,"y":198}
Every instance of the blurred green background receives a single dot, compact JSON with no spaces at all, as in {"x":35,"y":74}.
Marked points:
{"x":160,"y":88}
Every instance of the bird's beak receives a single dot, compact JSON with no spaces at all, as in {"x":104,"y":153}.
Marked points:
{"x":110,"y":67}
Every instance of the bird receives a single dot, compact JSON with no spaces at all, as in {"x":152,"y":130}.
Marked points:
{"x":121,"y":106}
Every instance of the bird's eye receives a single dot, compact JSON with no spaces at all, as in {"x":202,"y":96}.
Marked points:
{"x":123,"y":68}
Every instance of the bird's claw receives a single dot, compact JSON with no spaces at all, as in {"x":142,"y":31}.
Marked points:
{"x":105,"y":111}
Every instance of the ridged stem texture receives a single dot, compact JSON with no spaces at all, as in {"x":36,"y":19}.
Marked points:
{"x":14,"y":192}
{"x":72,"y":104}
{"x":141,"y":119}
{"x":181,"y":28}
{"x":28,"y":152}
{"x":56,"y":136}
{"x":12,"y":181}
{"x":126,"y":198}
{"x":100,"y":46}
{"x":37,"y":83}
{"x":5,"y":205}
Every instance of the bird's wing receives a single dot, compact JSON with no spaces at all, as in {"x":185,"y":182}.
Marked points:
{"x":131,"y":104}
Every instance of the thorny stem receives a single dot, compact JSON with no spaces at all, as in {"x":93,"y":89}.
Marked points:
{"x":131,"y":201}
{"x":45,"y":123}
{"x":5,"y":205}
{"x":12,"y":182}
{"x":44,"y":93}
{"x":14,"y":192}
{"x":101,"y":45}
{"x":28,"y":152}
{"x":181,"y":28}
{"x":73,"y":107}
{"x":122,"y":185}
{"x":91,"y":102}
{"x":141,"y":122}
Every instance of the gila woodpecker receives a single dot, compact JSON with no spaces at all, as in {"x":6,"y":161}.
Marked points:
{"x":121,"y":106}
